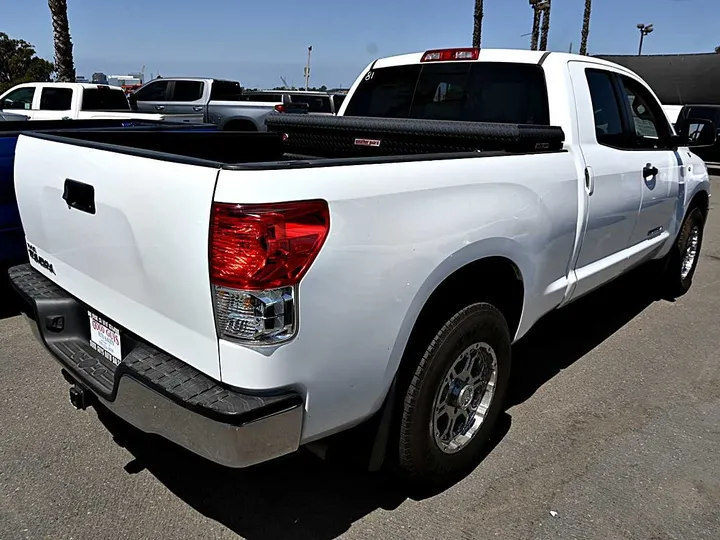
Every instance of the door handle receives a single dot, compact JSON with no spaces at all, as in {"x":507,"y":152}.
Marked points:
{"x":197,"y":109}
{"x":589,"y":181}
{"x":79,"y":196}
{"x":159,"y":107}
{"x":650,"y":171}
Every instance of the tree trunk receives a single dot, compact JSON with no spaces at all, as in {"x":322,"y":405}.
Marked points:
{"x":545,"y":27}
{"x":64,"y":65}
{"x":535,"y":36}
{"x":585,"y":28}
{"x":477,"y":28}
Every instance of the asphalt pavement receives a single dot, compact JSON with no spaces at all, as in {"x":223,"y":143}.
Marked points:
{"x":612,"y":432}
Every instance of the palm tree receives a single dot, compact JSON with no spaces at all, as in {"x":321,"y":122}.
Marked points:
{"x":585,"y":28}
{"x":545,"y":26}
{"x":477,"y":28}
{"x":535,"y":34}
{"x":64,"y":65}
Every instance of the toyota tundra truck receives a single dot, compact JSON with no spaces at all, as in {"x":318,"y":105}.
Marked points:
{"x":259,"y":292}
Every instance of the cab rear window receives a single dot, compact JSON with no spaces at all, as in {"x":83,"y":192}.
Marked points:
{"x":466,"y":91}
{"x":104,"y":99}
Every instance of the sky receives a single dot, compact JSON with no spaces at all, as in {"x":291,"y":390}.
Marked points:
{"x":258,"y":42}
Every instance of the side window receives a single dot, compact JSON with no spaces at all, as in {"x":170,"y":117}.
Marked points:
{"x":187,"y":91}
{"x":56,"y":99}
{"x":606,"y":109}
{"x":154,"y":91}
{"x":20,"y":99}
{"x":649,"y":123}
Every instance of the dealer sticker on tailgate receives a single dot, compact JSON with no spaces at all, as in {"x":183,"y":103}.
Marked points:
{"x":105,"y":338}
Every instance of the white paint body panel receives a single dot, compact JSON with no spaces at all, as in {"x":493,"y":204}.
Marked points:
{"x":397,"y":231}
{"x":141,"y":260}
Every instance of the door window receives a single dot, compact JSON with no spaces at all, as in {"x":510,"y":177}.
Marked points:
{"x":649,"y":128}
{"x":606,"y":109}
{"x":56,"y":99}
{"x":155,"y":91}
{"x":187,"y":91}
{"x":20,"y":99}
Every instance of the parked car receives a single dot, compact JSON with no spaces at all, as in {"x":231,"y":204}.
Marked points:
{"x":77,"y":101}
{"x":220,"y":102}
{"x":243,"y":302}
{"x":705,"y":112}
{"x":12,"y":238}
{"x":317,"y":102}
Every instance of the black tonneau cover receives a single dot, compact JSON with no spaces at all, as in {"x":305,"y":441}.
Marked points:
{"x":338,"y":136}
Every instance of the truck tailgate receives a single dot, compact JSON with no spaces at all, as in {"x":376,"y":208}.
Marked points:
{"x":139,"y":259}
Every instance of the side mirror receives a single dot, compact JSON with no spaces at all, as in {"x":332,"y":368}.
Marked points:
{"x":696,"y":132}
{"x":132,"y":99}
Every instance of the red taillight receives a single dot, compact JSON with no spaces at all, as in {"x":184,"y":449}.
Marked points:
{"x":280,"y":108}
{"x":447,"y":55}
{"x":265,"y":246}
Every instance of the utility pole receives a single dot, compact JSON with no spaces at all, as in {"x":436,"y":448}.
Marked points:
{"x":307,"y":69}
{"x":645,"y":29}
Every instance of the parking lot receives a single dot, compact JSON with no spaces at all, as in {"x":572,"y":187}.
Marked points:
{"x":612,"y":431}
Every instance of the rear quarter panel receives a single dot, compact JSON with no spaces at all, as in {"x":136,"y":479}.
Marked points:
{"x":397,"y":231}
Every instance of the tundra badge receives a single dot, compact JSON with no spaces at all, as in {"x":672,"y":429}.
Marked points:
{"x":32,"y":252}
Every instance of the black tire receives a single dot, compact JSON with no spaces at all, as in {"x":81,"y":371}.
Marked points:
{"x":420,"y":459}
{"x":674,"y":284}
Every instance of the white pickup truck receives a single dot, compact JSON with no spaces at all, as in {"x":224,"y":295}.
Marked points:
{"x":263,"y":291}
{"x":77,"y":101}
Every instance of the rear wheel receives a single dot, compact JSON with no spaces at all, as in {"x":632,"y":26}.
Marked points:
{"x":454,"y":397}
{"x":681,"y":262}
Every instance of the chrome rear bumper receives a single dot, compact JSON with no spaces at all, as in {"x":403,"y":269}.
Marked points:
{"x":158,"y":393}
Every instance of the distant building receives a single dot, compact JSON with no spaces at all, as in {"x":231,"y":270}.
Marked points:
{"x":81,"y":79}
{"x":99,"y":78}
{"x":677,"y":79}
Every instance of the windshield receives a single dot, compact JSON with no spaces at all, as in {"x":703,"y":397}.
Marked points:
{"x":467,"y":91}
{"x":104,"y":99}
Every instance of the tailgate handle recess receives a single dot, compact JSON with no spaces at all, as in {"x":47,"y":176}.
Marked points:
{"x":79,"y":196}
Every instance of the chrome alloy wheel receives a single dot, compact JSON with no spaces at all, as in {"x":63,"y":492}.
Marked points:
{"x":690,"y":252}
{"x":464,"y":397}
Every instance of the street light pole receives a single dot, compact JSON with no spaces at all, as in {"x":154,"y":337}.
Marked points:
{"x":645,"y":29}
{"x":307,"y":69}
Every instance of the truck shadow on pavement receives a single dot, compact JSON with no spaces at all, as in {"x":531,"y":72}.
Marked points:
{"x":305,"y":498}
{"x":566,"y":335}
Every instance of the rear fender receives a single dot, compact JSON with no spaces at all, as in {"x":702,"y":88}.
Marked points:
{"x":491,"y":247}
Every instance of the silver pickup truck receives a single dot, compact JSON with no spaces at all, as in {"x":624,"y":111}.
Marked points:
{"x":221,"y":102}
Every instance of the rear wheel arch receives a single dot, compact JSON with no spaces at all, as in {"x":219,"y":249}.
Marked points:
{"x":496,"y":280}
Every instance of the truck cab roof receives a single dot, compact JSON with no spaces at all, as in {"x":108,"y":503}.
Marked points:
{"x":517,"y":56}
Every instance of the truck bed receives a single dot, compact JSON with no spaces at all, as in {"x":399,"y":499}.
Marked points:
{"x":300,"y":140}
